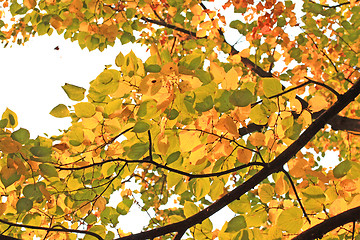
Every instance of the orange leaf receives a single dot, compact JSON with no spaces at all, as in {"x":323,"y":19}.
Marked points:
{"x":317,"y":103}
{"x":231,"y":80}
{"x":8,"y":145}
{"x":244,"y":155}
{"x":281,"y":186}
{"x":257,"y":139}
{"x":338,"y":206}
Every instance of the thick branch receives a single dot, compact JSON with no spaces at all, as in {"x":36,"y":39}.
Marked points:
{"x":275,"y":166}
{"x":53,"y":229}
{"x":330,"y":224}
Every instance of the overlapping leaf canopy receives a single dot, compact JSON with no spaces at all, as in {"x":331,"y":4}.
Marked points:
{"x":200,"y":125}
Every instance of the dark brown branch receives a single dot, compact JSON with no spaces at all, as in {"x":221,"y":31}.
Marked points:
{"x":334,"y":6}
{"x":297,"y":195}
{"x":53,"y":229}
{"x":330,"y":224}
{"x":148,"y":160}
{"x":274,"y":166}
{"x":7,"y":237}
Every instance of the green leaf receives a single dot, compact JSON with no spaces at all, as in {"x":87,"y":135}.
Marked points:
{"x":13,"y":178}
{"x":21,"y":135}
{"x":24,"y":205}
{"x":236,"y":224}
{"x":141,"y":127}
{"x":153,"y":68}
{"x":74,"y":92}
{"x":148,"y":109}
{"x":41,"y":151}
{"x":173,"y":157}
{"x":201,"y":188}
{"x":290,"y":220}
{"x":48,"y":170}
{"x":241,"y":98}
{"x":138,"y":150}
{"x":205,"y":105}
{"x":60,"y":111}
{"x":342,"y":169}
{"x":98,"y":229}
{"x":3,"y":123}
{"x":32,"y":192}
{"x":271,"y":86}
{"x":84,"y":109}
{"x":124,"y":206}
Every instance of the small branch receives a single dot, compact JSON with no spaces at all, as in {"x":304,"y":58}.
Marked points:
{"x":334,"y":6}
{"x":297,"y":196}
{"x":150,"y":145}
{"x":325,"y":86}
{"x":319,"y":230}
{"x":62,"y":229}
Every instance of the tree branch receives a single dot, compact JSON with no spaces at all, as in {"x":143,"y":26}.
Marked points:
{"x":53,"y":229}
{"x":330,"y":224}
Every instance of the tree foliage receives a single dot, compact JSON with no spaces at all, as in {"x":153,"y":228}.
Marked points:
{"x":236,"y":106}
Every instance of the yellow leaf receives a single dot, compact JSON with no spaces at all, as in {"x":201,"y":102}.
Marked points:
{"x":355,"y":202}
{"x":3,"y":207}
{"x":244,"y":155}
{"x":11,"y":117}
{"x":100,"y":204}
{"x":266,"y":192}
{"x":197,"y":154}
{"x":337,"y":207}
{"x":188,"y":140}
{"x":257,"y":139}
{"x":245,"y":53}
{"x":305,"y":118}
{"x":201,"y":33}
{"x":317,"y":103}
{"x":170,"y":69}
{"x":217,"y":72}
{"x":231,"y":80}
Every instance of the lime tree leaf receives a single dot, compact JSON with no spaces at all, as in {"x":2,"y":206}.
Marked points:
{"x":266,"y":193}
{"x":140,"y":127}
{"x":48,"y":170}
{"x":190,"y":209}
{"x":314,"y":198}
{"x":290,"y":220}
{"x":124,"y":206}
{"x":119,"y":60}
{"x":173,"y":157}
{"x":271,"y":86}
{"x":60,"y":111}
{"x":21,"y":135}
{"x":32,"y":192}
{"x":236,"y":224}
{"x":138,"y":150}
{"x":258,"y":115}
{"x":201,"y":187}
{"x":241,"y":98}
{"x":3,"y":123}
{"x":74,"y":92}
{"x":11,"y":117}
{"x":84,"y":109}
{"x":41,"y":151}
{"x":98,"y":229}
{"x":342,"y":169}
{"x":24,"y":205}
{"x":10,"y":180}
{"x":241,"y":205}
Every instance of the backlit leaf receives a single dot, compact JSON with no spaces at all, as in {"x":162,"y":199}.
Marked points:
{"x":84,"y":109}
{"x":74,"y":92}
{"x":241,"y":98}
{"x":236,"y":224}
{"x":48,"y":170}
{"x":290,"y":220}
{"x":11,"y":117}
{"x":60,"y":111}
{"x":21,"y":135}
{"x":266,"y":193}
{"x":271,"y":86}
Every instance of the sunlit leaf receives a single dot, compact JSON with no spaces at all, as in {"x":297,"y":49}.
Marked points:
{"x":74,"y":92}
{"x":290,"y":220}
{"x":11,"y":118}
{"x":60,"y":111}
